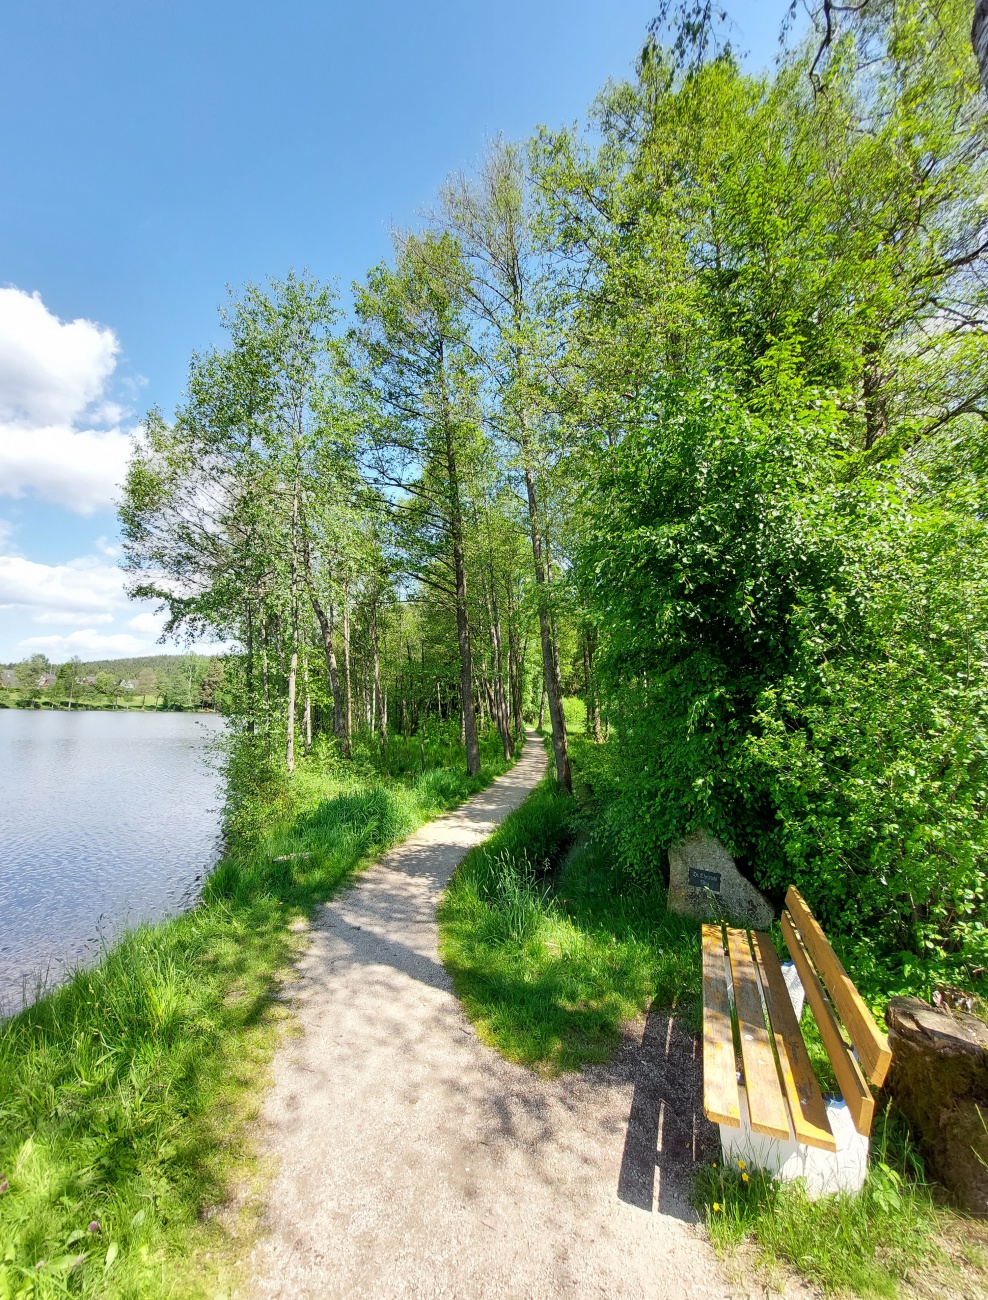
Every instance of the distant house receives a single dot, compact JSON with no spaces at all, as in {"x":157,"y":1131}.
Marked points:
{"x":129,"y":684}
{"x":86,"y":681}
{"x":8,"y":677}
{"x":47,"y":679}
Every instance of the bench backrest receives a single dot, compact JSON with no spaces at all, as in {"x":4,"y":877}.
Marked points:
{"x":814,"y":958}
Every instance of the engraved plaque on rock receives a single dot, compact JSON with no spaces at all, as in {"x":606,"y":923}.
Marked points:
{"x":704,"y":879}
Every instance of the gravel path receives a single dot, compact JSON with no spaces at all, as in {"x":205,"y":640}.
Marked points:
{"x":415,"y":1162}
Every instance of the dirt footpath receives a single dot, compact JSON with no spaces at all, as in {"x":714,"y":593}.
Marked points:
{"x":415,"y":1162}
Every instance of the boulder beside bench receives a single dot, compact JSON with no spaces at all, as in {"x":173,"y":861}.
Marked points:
{"x":758,"y":1082}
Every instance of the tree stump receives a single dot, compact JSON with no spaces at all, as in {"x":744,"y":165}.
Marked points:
{"x":939,"y":1080}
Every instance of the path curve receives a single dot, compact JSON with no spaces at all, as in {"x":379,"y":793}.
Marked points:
{"x":412,"y":1161}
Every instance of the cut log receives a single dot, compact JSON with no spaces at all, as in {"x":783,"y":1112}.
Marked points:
{"x":939,"y":1080}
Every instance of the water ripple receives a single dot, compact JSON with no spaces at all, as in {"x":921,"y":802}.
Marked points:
{"x":106,"y":820}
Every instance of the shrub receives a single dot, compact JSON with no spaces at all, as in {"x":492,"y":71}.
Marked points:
{"x":794,"y":657}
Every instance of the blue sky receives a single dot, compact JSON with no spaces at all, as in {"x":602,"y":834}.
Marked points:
{"x":153,"y":153}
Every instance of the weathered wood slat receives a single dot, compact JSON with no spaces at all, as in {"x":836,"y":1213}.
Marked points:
{"x":852,"y":1082}
{"x":721,"y":1102}
{"x":871,"y":1044}
{"x":806,"y":1105}
{"x":767,"y":1110}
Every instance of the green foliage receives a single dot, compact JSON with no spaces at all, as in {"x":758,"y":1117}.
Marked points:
{"x":575,"y":713}
{"x":792,"y":655}
{"x":124,"y":1094}
{"x":551,"y":947}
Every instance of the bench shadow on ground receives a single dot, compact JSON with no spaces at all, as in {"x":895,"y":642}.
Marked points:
{"x":668,"y":1134}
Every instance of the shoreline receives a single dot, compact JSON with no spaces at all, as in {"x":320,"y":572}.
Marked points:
{"x":158,"y":1054}
{"x":50,"y":706}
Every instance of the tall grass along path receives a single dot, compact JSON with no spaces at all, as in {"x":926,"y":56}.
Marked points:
{"x":414,"y":1161}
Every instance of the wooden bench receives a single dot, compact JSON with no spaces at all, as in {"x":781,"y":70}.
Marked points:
{"x":758,"y":1083}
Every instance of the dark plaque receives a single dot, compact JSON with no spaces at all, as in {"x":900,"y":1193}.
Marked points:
{"x":704,"y":879}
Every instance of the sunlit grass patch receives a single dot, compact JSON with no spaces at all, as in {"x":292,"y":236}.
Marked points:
{"x":549,"y":951}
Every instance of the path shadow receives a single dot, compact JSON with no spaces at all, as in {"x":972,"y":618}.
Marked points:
{"x":668,"y":1134}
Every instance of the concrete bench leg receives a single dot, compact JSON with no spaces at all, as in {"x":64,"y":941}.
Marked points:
{"x":824,"y":1172}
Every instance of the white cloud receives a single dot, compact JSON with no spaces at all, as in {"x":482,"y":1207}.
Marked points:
{"x":50,"y":370}
{"x":79,"y":469}
{"x":53,"y":380}
{"x":7,"y":530}
{"x":86,"y":598}
{"x":61,"y":592}
{"x":87,"y":644}
{"x":72,"y":620}
{"x":149,"y":624}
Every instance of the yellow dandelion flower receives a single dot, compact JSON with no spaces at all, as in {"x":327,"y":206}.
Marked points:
{"x":716,"y":1207}
{"x":740,"y":1164}
{"x":744,"y":1178}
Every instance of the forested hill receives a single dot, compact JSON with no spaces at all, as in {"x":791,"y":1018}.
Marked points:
{"x":684,"y":415}
{"x":161,"y":664}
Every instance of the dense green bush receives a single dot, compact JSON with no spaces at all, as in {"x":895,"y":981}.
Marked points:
{"x":794,"y":646}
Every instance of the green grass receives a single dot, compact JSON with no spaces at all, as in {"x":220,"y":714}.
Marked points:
{"x":865,"y":1245}
{"x":549,"y":950}
{"x":124,"y":1094}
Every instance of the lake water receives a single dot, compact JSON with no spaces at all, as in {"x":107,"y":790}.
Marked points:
{"x":106,"y":820}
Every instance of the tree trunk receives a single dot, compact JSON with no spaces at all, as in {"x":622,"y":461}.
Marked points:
{"x":264,"y":676}
{"x":594,"y":728}
{"x":249,"y":670}
{"x":514,"y":675}
{"x":381,"y":706}
{"x":500,"y":704}
{"x":293,"y":669}
{"x":470,"y":741}
{"x":550,"y":665}
{"x":346,"y":666}
{"x":308,"y":705}
{"x":979,"y":39}
{"x":290,"y":742}
{"x":326,"y":628}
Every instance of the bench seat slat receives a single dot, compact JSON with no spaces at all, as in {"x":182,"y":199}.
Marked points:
{"x":721,"y":1103}
{"x":806,"y":1105}
{"x":852,"y":1082}
{"x":767,"y":1108}
{"x":871,"y":1044}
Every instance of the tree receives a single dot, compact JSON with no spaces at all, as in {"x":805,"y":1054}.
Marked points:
{"x":751,"y":225}
{"x":106,"y":685}
{"x":420,"y":371}
{"x":212,"y":683}
{"x":213,"y":509}
{"x":68,"y":679}
{"x":508,"y":293}
{"x":147,"y":684}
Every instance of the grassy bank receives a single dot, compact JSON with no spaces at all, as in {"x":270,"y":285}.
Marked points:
{"x":13,"y":699}
{"x":124,"y":1094}
{"x":551,"y":949}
